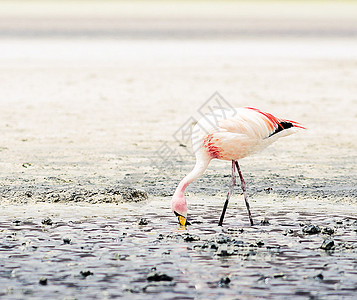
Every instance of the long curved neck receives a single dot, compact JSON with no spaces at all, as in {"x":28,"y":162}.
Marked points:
{"x":197,"y":171}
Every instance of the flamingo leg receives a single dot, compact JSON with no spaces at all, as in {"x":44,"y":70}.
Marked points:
{"x":229,"y":193}
{"x":243,"y":186}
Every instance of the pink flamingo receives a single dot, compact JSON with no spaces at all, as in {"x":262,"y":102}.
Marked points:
{"x":229,"y":135}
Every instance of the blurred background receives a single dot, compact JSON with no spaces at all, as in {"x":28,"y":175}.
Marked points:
{"x":90,"y":90}
{"x":162,"y":20}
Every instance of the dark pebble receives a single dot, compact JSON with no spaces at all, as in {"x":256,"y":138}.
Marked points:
{"x":224,"y":282}
{"x":288,"y":231}
{"x":238,"y":243}
{"x":222,"y":239}
{"x":311,"y":229}
{"x":190,"y":237}
{"x":28,"y":194}
{"x":155,"y":276}
{"x":42,"y":281}
{"x":66,"y":240}
{"x":143,"y":221}
{"x":214,"y":246}
{"x":327,"y":244}
{"x":210,"y":245}
{"x":260,"y":243}
{"x":47,"y":221}
{"x":319,"y":277}
{"x":268,"y":190}
{"x":86,"y":273}
{"x":328,"y":230}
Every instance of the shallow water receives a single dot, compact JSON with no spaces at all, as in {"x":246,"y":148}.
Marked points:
{"x":272,"y":260}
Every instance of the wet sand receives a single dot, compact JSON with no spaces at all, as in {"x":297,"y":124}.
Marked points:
{"x":85,"y":107}
{"x":138,"y":251}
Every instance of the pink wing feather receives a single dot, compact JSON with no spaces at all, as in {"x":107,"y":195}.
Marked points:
{"x":243,"y":133}
{"x":274,"y":121}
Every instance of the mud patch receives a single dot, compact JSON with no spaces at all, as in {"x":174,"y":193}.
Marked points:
{"x":139,"y":251}
{"x":72,"y":194}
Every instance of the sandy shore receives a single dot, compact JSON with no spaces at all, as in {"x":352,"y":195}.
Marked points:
{"x":98,"y":119}
{"x":91,"y":111}
{"x":89,"y":95}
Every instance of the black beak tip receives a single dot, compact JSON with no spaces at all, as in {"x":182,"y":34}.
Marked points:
{"x":180,"y":216}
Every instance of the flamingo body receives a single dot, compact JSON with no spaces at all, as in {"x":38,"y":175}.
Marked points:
{"x":235,"y":134}
{"x":230,"y":135}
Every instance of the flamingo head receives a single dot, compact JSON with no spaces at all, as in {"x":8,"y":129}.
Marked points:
{"x":179,"y":208}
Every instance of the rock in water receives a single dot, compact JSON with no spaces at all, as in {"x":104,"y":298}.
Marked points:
{"x":143,"y":222}
{"x":47,"y":221}
{"x":86,"y":273}
{"x":155,"y":276}
{"x":66,"y":240}
{"x":42,"y":281}
{"x":328,"y":244}
{"x":311,"y":229}
{"x":187,"y":237}
{"x":328,"y":230}
{"x":224,"y":282}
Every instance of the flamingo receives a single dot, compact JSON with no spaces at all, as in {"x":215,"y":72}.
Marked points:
{"x":229,"y":134}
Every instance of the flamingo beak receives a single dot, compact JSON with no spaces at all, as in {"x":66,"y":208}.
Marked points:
{"x":182,"y":220}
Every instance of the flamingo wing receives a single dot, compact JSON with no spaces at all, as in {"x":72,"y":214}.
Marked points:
{"x":241,"y":132}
